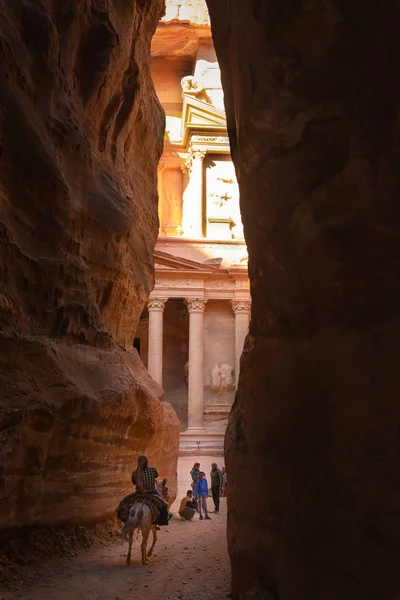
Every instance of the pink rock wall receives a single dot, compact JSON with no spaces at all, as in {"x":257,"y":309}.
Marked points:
{"x":312,"y":446}
{"x":81,"y":134}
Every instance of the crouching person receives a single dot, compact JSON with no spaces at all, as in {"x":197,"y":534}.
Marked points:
{"x":187,"y":509}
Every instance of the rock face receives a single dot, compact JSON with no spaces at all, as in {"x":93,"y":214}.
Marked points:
{"x":312,"y":446}
{"x":81,"y":136}
{"x":184,"y":23}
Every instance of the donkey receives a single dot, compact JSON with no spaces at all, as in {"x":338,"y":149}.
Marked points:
{"x":140,"y":517}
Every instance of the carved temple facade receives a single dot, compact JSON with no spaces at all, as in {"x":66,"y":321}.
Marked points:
{"x":191,"y":335}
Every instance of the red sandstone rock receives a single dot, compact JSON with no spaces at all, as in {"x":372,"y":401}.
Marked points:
{"x":312,"y":445}
{"x":81,"y":136}
{"x":184,"y":23}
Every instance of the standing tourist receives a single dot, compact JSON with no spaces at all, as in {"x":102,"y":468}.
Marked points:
{"x":216,"y":485}
{"x":194,"y":473}
{"x":201,"y":493}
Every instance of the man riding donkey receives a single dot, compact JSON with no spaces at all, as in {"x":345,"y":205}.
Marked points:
{"x":146,"y":508}
{"x":144,"y":478}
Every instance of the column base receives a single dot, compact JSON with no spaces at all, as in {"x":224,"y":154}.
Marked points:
{"x":194,"y":431}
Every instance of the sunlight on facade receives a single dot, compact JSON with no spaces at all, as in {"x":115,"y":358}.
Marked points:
{"x":192,"y":332}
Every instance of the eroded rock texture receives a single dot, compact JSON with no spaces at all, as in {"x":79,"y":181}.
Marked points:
{"x":313,"y":444}
{"x":81,"y":135}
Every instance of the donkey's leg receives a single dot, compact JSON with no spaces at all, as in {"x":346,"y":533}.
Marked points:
{"x":145,"y":533}
{"x":128,"y":558}
{"x":154,"y":532}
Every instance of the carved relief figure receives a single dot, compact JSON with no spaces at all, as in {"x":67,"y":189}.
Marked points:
{"x":223,"y":195}
{"x":171,"y":199}
{"x":222,"y":379}
{"x":220,"y":198}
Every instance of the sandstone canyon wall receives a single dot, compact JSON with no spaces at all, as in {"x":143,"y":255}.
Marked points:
{"x":313,"y":444}
{"x":80,"y":138}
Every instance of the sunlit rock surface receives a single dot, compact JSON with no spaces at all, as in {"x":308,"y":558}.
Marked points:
{"x":183,"y":23}
{"x":312,"y":446}
{"x":81,"y":135}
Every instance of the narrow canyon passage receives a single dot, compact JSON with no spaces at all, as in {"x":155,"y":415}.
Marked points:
{"x":190,"y":563}
{"x":176,"y":186}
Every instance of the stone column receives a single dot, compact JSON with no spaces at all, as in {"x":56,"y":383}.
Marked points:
{"x":155,"y":350}
{"x":185,"y":183}
{"x":160,"y":171}
{"x":192,"y":210}
{"x":241,"y":308}
{"x":196,"y":308}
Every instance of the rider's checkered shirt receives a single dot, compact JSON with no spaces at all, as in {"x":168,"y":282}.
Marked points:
{"x":149,"y":476}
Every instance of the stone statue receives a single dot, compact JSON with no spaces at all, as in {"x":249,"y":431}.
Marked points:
{"x":215,"y":262}
{"x":222,"y":379}
{"x":191,"y":85}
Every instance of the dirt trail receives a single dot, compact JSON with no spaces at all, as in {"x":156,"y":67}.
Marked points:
{"x":190,"y":563}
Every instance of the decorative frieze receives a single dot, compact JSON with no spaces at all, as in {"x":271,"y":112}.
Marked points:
{"x":224,"y":284}
{"x":242,"y":284}
{"x":167,"y":283}
{"x":210,"y":139}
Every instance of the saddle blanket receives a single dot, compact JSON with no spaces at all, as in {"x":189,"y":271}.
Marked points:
{"x":153,"y":501}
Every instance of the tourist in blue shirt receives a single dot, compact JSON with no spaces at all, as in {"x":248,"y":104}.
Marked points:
{"x":201,"y":492}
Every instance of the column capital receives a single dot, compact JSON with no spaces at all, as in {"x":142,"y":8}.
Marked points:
{"x":162,"y":165}
{"x":198,"y":154}
{"x":156,"y":304}
{"x":190,"y":155}
{"x":196,"y":305}
{"x":241,"y":306}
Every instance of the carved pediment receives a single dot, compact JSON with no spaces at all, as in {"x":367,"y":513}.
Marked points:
{"x":169,"y":262}
{"x":200,"y":115}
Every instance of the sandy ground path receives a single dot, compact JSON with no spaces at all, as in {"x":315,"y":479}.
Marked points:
{"x":190,"y":563}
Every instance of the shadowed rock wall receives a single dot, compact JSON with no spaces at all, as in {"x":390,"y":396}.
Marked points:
{"x":313,"y":443}
{"x":80,"y":137}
